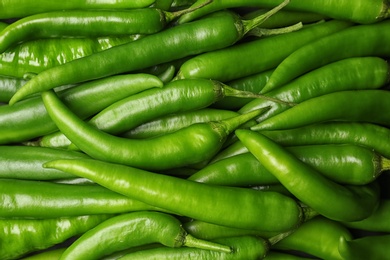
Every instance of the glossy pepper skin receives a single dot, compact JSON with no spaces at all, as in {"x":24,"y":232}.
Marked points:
{"x":21,"y":236}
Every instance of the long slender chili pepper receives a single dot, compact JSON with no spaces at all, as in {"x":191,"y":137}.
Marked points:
{"x":374,"y":247}
{"x":190,"y":145}
{"x":32,"y":57}
{"x":87,"y":23}
{"x":135,"y":229}
{"x":359,"y":11}
{"x":215,"y":32}
{"x":207,"y":65}
{"x":349,"y":105}
{"x":21,"y":236}
{"x":230,"y":206}
{"x":335,"y":201}
{"x":38,"y":199}
{"x":22,"y":8}
{"x":356,"y":41}
{"x":369,"y":135}
{"x":244,"y":247}
{"x":29,"y":119}
{"x":318,"y":237}
{"x":349,"y":74}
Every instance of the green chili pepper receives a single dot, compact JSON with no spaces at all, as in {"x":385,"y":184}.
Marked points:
{"x":347,"y":164}
{"x":37,"y":199}
{"x":363,"y":106}
{"x":21,"y":236}
{"x":244,"y":247}
{"x":207,"y":65}
{"x":35,"y":56}
{"x":348,"y":74}
{"x":359,"y":11}
{"x":22,"y":8}
{"x":376,"y":222}
{"x":24,"y":162}
{"x":215,"y":32}
{"x":356,"y":41}
{"x":365,"y":134}
{"x":87,"y":23}
{"x":190,"y":145}
{"x":375,"y":247}
{"x":209,"y":231}
{"x":134,"y":229}
{"x":318,"y":237}
{"x":171,"y":123}
{"x":330,"y":199}
{"x":235,"y":207}
{"x":29,"y":119}
{"x":8,"y":87}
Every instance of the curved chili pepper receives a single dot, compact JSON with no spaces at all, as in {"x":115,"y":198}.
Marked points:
{"x":235,"y":207}
{"x":332,"y":200}
{"x":135,"y":229}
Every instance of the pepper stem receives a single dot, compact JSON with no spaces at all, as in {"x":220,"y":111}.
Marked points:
{"x":191,"y":241}
{"x":228,"y":125}
{"x":173,"y":15}
{"x":232,"y":92}
{"x":260,"y":32}
{"x":253,"y":23}
{"x":384,"y":164}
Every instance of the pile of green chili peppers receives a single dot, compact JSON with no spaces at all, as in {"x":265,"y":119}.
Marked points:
{"x":195,"y":129}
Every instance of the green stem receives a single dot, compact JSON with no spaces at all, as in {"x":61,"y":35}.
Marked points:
{"x":229,"y":125}
{"x":173,"y":15}
{"x":191,"y":241}
{"x":255,"y":22}
{"x":232,"y":92}
{"x":260,"y":32}
{"x":384,"y":164}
